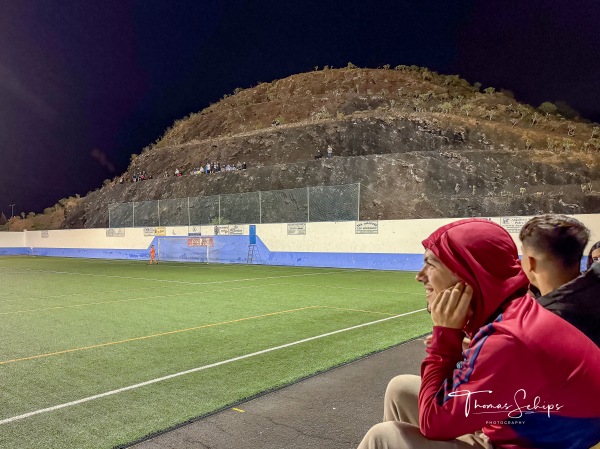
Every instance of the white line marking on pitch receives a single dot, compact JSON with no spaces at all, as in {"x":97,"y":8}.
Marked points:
{"x":177,"y":282}
{"x":194,"y":370}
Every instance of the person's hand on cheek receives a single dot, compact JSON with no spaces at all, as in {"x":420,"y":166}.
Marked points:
{"x":451,"y":307}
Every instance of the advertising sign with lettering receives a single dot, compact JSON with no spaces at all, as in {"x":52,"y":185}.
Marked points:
{"x":296,"y":228}
{"x":201,"y":241}
{"x":115,"y":232}
{"x":366,"y":227}
{"x":513,"y":224}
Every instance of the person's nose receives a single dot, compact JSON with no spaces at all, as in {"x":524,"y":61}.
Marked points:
{"x":421,"y":276}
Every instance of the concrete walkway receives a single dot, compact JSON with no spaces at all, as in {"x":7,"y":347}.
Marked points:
{"x":330,"y":411}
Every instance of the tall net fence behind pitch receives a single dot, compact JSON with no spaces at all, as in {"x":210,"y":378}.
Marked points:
{"x":334,"y":203}
{"x":173,"y":212}
{"x":323,"y":203}
{"x":240,"y":208}
{"x":284,"y":206}
{"x":204,"y":210}
{"x":146,"y":214}
{"x":120,"y":215}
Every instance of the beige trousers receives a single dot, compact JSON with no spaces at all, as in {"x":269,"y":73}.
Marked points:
{"x":400,"y":429}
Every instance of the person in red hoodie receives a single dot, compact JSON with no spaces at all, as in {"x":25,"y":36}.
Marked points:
{"x":528,"y":379}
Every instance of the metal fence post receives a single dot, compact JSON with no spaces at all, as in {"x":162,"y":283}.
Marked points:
{"x":358,"y":204}
{"x":259,"y":206}
{"x":219,"y":219}
{"x":308,"y":204}
{"x":158,"y":210}
{"x":189,"y":219}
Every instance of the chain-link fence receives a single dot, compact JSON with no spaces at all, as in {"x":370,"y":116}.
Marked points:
{"x":322,"y":203}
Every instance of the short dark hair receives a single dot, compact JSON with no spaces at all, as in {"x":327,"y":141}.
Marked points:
{"x":592,"y":249}
{"x":563,"y":237}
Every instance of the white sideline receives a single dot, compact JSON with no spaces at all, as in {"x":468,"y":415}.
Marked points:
{"x":193,"y":370}
{"x":74,"y":273}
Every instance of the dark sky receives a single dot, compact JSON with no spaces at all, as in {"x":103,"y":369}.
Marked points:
{"x":86,"y":83}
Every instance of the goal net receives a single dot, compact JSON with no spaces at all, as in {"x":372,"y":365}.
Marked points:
{"x":217,"y":249}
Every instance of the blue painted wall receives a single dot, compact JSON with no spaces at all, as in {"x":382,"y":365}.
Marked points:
{"x":234,"y":249}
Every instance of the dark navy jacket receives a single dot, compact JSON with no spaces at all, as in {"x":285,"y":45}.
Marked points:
{"x":578,"y":302}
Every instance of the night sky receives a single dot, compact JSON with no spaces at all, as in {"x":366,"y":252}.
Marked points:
{"x":86,"y":83}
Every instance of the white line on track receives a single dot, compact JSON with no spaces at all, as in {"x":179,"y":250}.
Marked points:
{"x":194,"y":370}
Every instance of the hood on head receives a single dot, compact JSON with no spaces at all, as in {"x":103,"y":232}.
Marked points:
{"x":484,"y":255}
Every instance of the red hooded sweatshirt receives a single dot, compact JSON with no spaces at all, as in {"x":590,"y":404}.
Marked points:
{"x":529,"y":379}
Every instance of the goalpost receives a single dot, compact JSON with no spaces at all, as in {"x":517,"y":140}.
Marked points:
{"x":190,"y":249}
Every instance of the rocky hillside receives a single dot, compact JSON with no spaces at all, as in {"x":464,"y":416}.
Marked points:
{"x":421,"y":144}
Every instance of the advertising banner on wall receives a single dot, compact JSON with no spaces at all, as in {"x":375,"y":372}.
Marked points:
{"x":513,"y":224}
{"x":236,"y":230}
{"x":221,"y":230}
{"x":366,"y":227}
{"x":201,"y":241}
{"x":296,"y":228}
{"x":149,"y":232}
{"x":45,"y":234}
{"x":114,"y":232}
{"x":194,"y":230}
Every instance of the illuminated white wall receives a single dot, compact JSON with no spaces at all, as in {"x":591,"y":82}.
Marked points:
{"x":392,"y":244}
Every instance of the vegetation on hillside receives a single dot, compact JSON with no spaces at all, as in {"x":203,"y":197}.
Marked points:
{"x":326,"y":95}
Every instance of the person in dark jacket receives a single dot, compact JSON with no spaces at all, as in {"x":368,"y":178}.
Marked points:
{"x":594,"y":255}
{"x":552,"y":249}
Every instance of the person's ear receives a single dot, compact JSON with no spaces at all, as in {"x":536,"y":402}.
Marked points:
{"x":533,"y":263}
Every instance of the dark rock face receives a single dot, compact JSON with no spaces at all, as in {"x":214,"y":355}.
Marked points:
{"x":408,"y":167}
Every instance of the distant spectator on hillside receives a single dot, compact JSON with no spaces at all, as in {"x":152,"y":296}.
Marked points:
{"x":318,"y":154}
{"x":329,"y":152}
{"x":243,"y":166}
{"x":177,"y":172}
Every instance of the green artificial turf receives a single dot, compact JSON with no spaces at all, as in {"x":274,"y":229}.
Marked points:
{"x":76,"y":328}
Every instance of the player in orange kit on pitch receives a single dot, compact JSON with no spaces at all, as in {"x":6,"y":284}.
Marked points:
{"x":153,"y":255}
